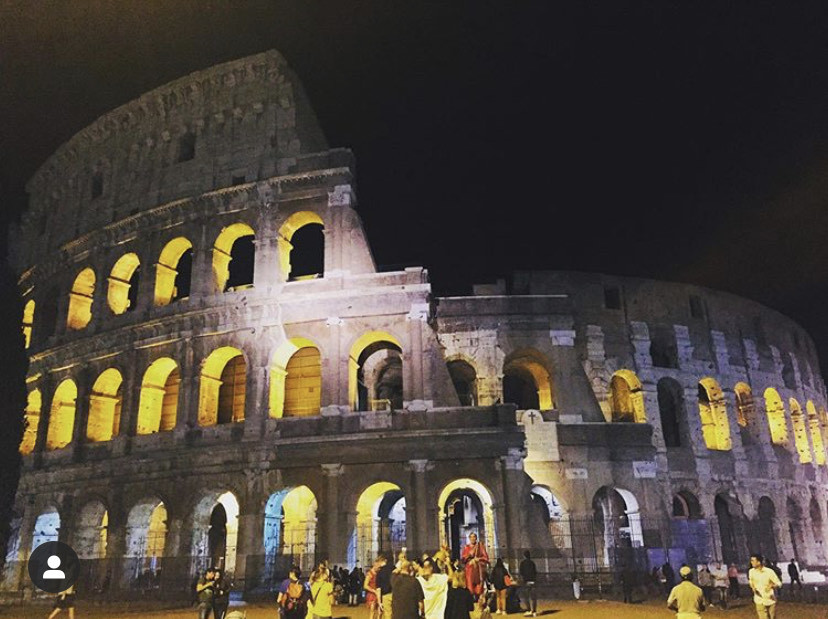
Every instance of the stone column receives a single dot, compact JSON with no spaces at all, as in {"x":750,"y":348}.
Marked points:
{"x":267,"y":269}
{"x":513,"y":482}
{"x":419,"y":503}
{"x":250,"y":548}
{"x":256,"y":403}
{"x":202,"y":280}
{"x":47,"y":386}
{"x":83,"y":381}
{"x":413,"y":359}
{"x":131,"y":399}
{"x":187,"y":414}
{"x":333,"y":549}
{"x":339,"y":198}
{"x":335,"y":371}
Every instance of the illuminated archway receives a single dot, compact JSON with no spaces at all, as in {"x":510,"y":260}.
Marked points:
{"x":46,"y":527}
{"x":230,"y":240}
{"x":122,"y":293}
{"x":28,"y":322}
{"x":105,"y":404}
{"x":775,"y":411}
{"x":222,"y":387}
{"x":626,"y":397}
{"x":313,"y":264}
{"x":158,"y":403}
{"x":465,"y":506}
{"x":816,"y":433}
{"x":713,"y":413}
{"x":146,"y":535}
{"x":290,"y":529}
{"x":296,"y":379}
{"x":34,"y":404}
{"x":464,"y":377}
{"x":80,"y":300}
{"x":526,"y":381}
{"x":90,"y":536}
{"x":216,"y":530}
{"x":547,"y":522}
{"x":800,"y":431}
{"x":745,"y":411}
{"x":380,"y":522}
{"x":62,"y":415}
{"x":617,"y":524}
{"x":173,"y":271}
{"x":366,"y":346}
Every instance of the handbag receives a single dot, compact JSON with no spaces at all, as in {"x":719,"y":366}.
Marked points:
{"x":507,"y":580}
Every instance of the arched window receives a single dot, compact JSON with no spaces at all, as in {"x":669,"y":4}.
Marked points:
{"x":775,"y":410}
{"x":302,"y":246}
{"x":526,"y":381}
{"x":626,"y":398}
{"x":62,"y":415}
{"x":464,"y":377}
{"x":745,"y":412}
{"x":186,"y":146}
{"x":686,"y":505}
{"x":816,"y":433}
{"x":105,"y":406}
{"x":800,"y":429}
{"x":671,"y":409}
{"x":28,"y":322}
{"x":122,"y":294}
{"x":375,"y":372}
{"x":158,"y":405}
{"x":234,"y":257}
{"x":663,"y":350}
{"x":296,"y":380}
{"x":80,"y":300}
{"x":34,"y":404}
{"x":222,"y":389}
{"x":713,"y":414}
{"x":173,"y":273}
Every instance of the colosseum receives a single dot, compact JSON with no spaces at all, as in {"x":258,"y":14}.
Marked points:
{"x":219,"y":374}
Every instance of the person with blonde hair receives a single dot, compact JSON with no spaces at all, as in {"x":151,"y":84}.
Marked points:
{"x":320,"y":604}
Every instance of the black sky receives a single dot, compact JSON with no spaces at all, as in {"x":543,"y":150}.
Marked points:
{"x":685,"y":141}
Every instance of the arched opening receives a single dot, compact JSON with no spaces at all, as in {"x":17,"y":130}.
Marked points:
{"x":290,"y":530}
{"x":222,"y":389}
{"x":80,"y":300}
{"x":46,"y":527}
{"x":105,"y":404}
{"x":796,"y":528}
{"x":626,"y":398}
{"x":28,"y":322}
{"x":526,"y":381}
{"x":618,"y":526}
{"x":186,"y":146}
{"x":302,"y":247}
{"x":375,"y":372}
{"x":215,"y":532}
{"x":466,"y":507}
{"x":727,"y":510}
{"x":173,"y":273}
{"x":713,"y":413}
{"x":767,"y":529}
{"x":775,"y":410}
{"x":800,"y":431}
{"x":122,"y":294}
{"x":546,"y":521}
{"x":670,"y":409}
{"x":817,"y":530}
{"x":234,"y":258}
{"x":745,"y":412}
{"x":689,"y":528}
{"x":380,"y":523}
{"x":146,"y":536}
{"x":663,"y":349}
{"x":91,"y":533}
{"x":296,"y":379}
{"x":158,"y":403}
{"x":34,"y":404}
{"x":62,"y":415}
{"x":464,"y":377}
{"x":816,"y":433}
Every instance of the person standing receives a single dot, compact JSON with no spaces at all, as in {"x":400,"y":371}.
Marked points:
{"x":627,"y":584}
{"x":686,"y":598}
{"x":383,"y":586}
{"x":721,"y":583}
{"x":320,"y":603}
{"x":499,"y":578}
{"x":408,"y":594}
{"x":476,"y":561}
{"x":435,"y":589}
{"x":706,"y":583}
{"x":733,"y":578}
{"x":355,"y":582}
{"x":205,"y":590}
{"x":763,"y":582}
{"x":459,"y":601}
{"x":370,"y":588}
{"x":528,"y":577}
{"x":669,"y":576}
{"x":221,"y":594}
{"x":65,"y":600}
{"x":793,"y":574}
{"x":292,"y":597}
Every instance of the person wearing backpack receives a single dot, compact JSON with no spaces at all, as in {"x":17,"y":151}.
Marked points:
{"x":292,"y":597}
{"x":320,"y":605}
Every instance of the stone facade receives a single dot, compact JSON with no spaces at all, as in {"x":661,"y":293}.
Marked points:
{"x":190,"y":406}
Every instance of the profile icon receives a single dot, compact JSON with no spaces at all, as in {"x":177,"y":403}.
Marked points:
{"x":53,"y":573}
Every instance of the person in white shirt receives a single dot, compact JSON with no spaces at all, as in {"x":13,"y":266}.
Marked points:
{"x":721,"y":583}
{"x":763,"y":582}
{"x":435,"y":589}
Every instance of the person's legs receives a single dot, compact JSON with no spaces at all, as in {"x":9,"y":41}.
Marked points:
{"x":387,"y":601}
{"x":763,"y":612}
{"x":501,"y":600}
{"x":54,"y":613}
{"x":533,"y":596}
{"x":204,"y":610}
{"x":72,"y":613}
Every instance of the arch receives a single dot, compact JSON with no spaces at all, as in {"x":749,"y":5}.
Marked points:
{"x":796,"y":527}
{"x":105,"y":403}
{"x":290,"y":530}
{"x":296,"y":379}
{"x":380,"y":523}
{"x":223,"y":381}
{"x":465,"y":507}
{"x":158,"y":403}
{"x":146,"y":535}
{"x":46,"y":527}
{"x":173,"y":272}
{"x":527,"y":382}
{"x":464,"y":377}
{"x":670,"y":397}
{"x":816,"y":433}
{"x":617,"y":523}
{"x":766,"y":516}
{"x":713,"y":413}
{"x":686,"y":505}
{"x":293,"y":249}
{"x":365,"y":346}
{"x":688,"y":527}
{"x":745,"y":412}
{"x":80,"y":300}
{"x":91,"y":530}
{"x":817,"y":530}
{"x":724,"y":507}
{"x":62,"y":415}
{"x":122,"y":293}
{"x":215,"y":531}
{"x":775,"y":411}
{"x":626,"y":397}
{"x":550,"y":503}
{"x":28,"y":322}
{"x":800,"y":432}
{"x":31,"y":417}
{"x":226,"y":276}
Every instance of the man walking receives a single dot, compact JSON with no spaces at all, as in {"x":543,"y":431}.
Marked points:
{"x":529,"y":574}
{"x":763,"y":582}
{"x":686,"y":598}
{"x":793,"y":574}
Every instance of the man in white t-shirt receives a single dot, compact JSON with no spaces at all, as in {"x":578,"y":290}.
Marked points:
{"x":721,"y":583}
{"x":435,"y":589}
{"x":763,"y":582}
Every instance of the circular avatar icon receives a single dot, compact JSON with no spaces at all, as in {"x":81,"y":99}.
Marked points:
{"x":54,"y":567}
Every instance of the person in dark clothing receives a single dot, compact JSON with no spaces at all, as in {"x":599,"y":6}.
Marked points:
{"x":498,"y":579}
{"x":627,"y":584}
{"x":355,"y":581}
{"x":528,"y":577}
{"x":793,"y":574}
{"x":384,"y":588}
{"x":407,"y":601}
{"x":221,"y":595}
{"x":459,"y":600}
{"x":206,"y":590}
{"x":669,"y":576}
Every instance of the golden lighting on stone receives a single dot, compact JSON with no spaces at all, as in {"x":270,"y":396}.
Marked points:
{"x":364,"y":341}
{"x":530,"y":366}
{"x":775,"y":410}
{"x":34,"y":403}
{"x":713,"y":414}
{"x":105,"y":404}
{"x":744,"y":404}
{"x":627,"y":397}
{"x":120,"y":282}
{"x":62,"y":415}
{"x":28,"y":321}
{"x":80,"y":300}
{"x":158,"y":404}
{"x":167,"y":269}
{"x":803,"y":447}
{"x":222,"y":387}
{"x":222,"y":252}
{"x":296,"y":379}
{"x":286,"y":232}
{"x":816,"y":433}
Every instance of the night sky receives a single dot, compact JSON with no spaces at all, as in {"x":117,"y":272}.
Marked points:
{"x":685,"y":141}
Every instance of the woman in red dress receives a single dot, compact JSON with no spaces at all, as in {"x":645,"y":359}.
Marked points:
{"x":476,"y":561}
{"x":370,"y":587}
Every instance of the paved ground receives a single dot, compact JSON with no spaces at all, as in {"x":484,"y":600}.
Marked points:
{"x":549,"y":610}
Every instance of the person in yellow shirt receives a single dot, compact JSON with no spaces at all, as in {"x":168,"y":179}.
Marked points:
{"x":763,"y":582}
{"x":686,"y":598}
{"x":320,"y":604}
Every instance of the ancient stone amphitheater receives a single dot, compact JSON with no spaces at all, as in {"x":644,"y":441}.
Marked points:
{"x":221,"y":375}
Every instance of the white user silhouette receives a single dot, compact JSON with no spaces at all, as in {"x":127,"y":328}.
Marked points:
{"x":53,"y":574}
